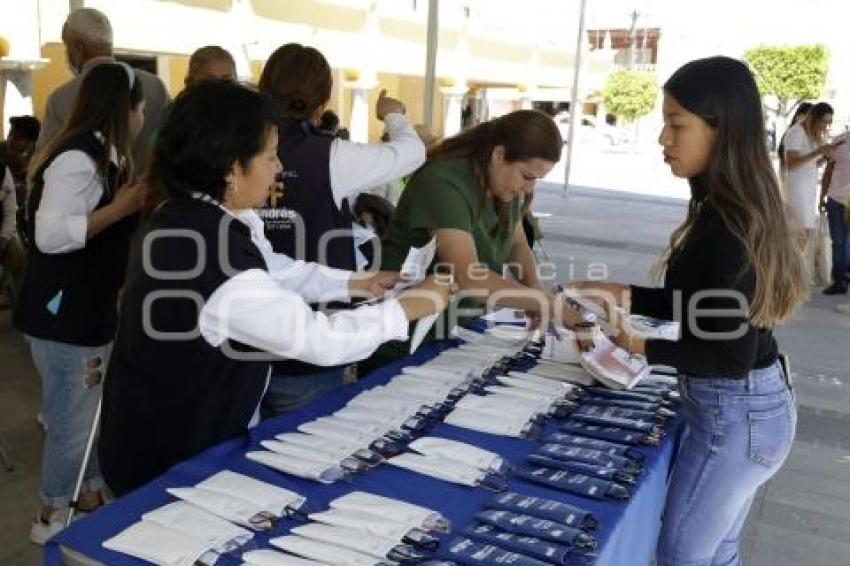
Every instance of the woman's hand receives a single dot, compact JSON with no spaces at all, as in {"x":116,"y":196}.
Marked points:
{"x":387,"y":105}
{"x":429,"y":297}
{"x":373,"y":283}
{"x":128,"y":199}
{"x":624,"y":337}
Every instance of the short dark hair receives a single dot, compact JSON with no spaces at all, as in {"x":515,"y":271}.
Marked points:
{"x":329,"y":121}
{"x":299,"y":77}
{"x":28,"y":127}
{"x":208,"y":128}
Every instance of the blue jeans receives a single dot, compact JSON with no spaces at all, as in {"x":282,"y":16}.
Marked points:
{"x":737,"y":434}
{"x":838,"y":232}
{"x":289,"y":392}
{"x":71,"y":378}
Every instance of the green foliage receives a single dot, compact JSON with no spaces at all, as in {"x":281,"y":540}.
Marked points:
{"x":630,"y":94}
{"x":790,"y":73}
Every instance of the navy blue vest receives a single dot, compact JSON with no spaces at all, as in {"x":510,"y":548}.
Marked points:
{"x":71,"y":297}
{"x":168,"y":397}
{"x":306,"y":193}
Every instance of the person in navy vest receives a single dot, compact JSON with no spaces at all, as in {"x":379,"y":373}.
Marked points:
{"x":80,"y":217}
{"x":208,"y":303}
{"x":309,"y":217}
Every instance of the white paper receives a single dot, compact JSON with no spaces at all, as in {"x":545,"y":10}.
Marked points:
{"x":274,"y":499}
{"x":219,"y":534}
{"x":155,"y":543}
{"x":420,"y":331}
{"x":417,"y":262}
{"x":316,"y":455}
{"x":564,"y":350}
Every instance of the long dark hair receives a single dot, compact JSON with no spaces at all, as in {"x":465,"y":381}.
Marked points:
{"x":299,"y":78}
{"x":802,"y":109}
{"x":103,"y":104}
{"x":525,"y":135}
{"x":740,"y":184}
{"x":813,"y":117}
{"x":208,"y":128}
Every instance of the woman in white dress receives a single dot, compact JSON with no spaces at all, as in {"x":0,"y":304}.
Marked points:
{"x":805,"y":150}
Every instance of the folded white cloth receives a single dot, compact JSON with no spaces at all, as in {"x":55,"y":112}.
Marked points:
{"x":400,"y":511}
{"x":373,"y":545}
{"x":274,"y":499}
{"x":220,"y":535}
{"x":460,"y":452}
{"x":160,"y":545}
{"x":308,"y":469}
{"x":366,"y":522}
{"x":268,"y":557}
{"x":561,"y":372}
{"x":542,"y":399}
{"x":324,"y":552}
{"x":390,"y":418}
{"x":234,"y":509}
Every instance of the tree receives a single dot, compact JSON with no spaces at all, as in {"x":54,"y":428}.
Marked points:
{"x":789,"y":73}
{"x":630,"y":94}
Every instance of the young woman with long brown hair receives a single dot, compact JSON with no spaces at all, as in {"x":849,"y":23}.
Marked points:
{"x":733,"y":271}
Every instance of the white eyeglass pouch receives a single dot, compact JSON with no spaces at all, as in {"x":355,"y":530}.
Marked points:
{"x":268,"y":557}
{"x":508,"y":408}
{"x":337,"y":431}
{"x":373,"y":545}
{"x":564,"y":351}
{"x":486,"y":422}
{"x":540,"y":398}
{"x":420,"y":380}
{"x":359,"y":415}
{"x":160,"y":545}
{"x":393,"y":509}
{"x":366,"y":522}
{"x":374,"y":429}
{"x":550,"y":387}
{"x":308,"y":469}
{"x":274,"y":499}
{"x":561,"y":372}
{"x":324,"y":552}
{"x":228,"y":507}
{"x":220,"y":535}
{"x":458,"y":375}
{"x":317,"y":454}
{"x":439,"y":468}
{"x":460,"y":452}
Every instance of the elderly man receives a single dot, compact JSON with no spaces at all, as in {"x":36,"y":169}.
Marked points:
{"x":87,"y":35}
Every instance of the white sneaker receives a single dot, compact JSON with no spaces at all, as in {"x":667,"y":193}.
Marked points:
{"x":42,"y":530}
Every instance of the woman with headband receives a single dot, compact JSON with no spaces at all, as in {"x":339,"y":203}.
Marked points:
{"x":80,"y":217}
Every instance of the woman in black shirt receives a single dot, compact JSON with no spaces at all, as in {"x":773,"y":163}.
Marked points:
{"x":733,"y":271}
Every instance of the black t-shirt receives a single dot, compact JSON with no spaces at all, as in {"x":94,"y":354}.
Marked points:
{"x":711,"y":263}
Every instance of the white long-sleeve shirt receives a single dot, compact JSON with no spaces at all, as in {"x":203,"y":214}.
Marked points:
{"x":72,"y":189}
{"x":356,"y":167}
{"x":267,"y":310}
{"x":9,"y":205}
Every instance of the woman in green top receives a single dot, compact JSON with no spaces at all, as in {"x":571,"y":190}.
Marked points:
{"x":471,"y":195}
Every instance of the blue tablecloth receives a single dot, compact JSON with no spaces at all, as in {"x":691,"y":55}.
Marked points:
{"x":626,"y":536}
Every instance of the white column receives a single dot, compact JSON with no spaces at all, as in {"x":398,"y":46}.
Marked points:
{"x":358,"y":124}
{"x":525,"y":102}
{"x":20,"y":27}
{"x":452,"y":110}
